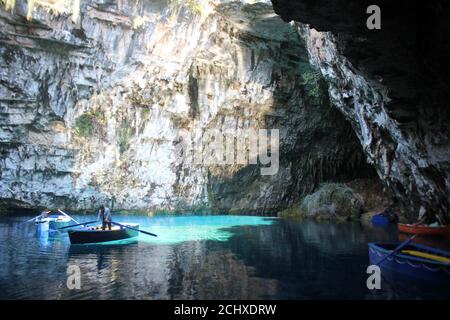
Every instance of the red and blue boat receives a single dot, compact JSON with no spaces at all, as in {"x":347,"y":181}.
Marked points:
{"x":424,"y":230}
{"x":414,"y":260}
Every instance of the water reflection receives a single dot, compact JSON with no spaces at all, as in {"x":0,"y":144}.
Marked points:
{"x":282,"y":259}
{"x":43,"y":236}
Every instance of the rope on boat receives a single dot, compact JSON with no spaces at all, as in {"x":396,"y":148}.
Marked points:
{"x":398,"y":261}
{"x":417,"y":266}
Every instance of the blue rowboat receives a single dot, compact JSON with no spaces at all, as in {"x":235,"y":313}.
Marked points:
{"x":412,"y":261}
{"x":380,"y":220}
{"x":89,"y":235}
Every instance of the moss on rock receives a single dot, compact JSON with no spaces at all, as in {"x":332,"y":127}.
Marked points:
{"x":89,"y":124}
{"x":291,"y":212}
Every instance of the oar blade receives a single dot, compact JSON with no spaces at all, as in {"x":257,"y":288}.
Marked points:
{"x":125,"y":226}
{"x":149,"y":233}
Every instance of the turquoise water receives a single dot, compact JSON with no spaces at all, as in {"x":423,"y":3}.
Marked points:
{"x":178,"y":229}
{"x":199,"y":257}
{"x":169,"y":229}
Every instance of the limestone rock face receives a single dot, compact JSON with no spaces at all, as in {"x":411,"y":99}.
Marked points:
{"x":391,"y":86}
{"x":332,"y":201}
{"x":94,"y":111}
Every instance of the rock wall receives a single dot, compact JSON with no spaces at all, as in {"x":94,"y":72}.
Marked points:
{"x":390,"y":85}
{"x":93,"y":111}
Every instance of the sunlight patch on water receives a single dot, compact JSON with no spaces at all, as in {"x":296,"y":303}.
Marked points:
{"x":172,"y":230}
{"x":176,"y":234}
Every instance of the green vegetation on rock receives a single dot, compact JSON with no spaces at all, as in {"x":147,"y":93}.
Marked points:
{"x":89,"y":123}
{"x":291,"y":212}
{"x":124,"y":135}
{"x":311,"y":80}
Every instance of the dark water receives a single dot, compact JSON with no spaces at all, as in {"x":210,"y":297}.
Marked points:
{"x":201,"y":257}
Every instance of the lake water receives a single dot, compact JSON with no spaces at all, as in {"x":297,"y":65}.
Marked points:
{"x":200,"y":257}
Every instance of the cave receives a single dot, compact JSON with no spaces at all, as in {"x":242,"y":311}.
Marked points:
{"x":252,"y":70}
{"x":402,"y":64}
{"x":229,"y":150}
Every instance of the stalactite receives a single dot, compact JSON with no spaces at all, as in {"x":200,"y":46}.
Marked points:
{"x":76,"y":4}
{"x":30,"y":9}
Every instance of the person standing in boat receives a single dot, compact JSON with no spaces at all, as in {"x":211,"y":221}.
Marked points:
{"x":44,"y":214}
{"x":104,"y":214}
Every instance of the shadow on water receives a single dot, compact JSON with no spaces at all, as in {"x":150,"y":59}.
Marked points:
{"x":317,"y":260}
{"x":308,"y":260}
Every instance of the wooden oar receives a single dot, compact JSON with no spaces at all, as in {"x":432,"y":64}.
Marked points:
{"x":426,"y":255}
{"x":124,"y":226}
{"x":80,"y":224}
{"x":400,"y":247}
{"x":67,"y":215}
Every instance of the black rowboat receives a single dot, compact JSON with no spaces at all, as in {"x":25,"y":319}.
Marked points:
{"x":97,"y":235}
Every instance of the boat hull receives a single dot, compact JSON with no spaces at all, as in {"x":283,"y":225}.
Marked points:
{"x":424,"y":230}
{"x":412,"y":267}
{"x":54,"y":222}
{"x":59,"y":223}
{"x":97,"y":235}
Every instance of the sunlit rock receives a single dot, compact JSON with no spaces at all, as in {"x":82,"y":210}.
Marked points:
{"x":93,"y":111}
